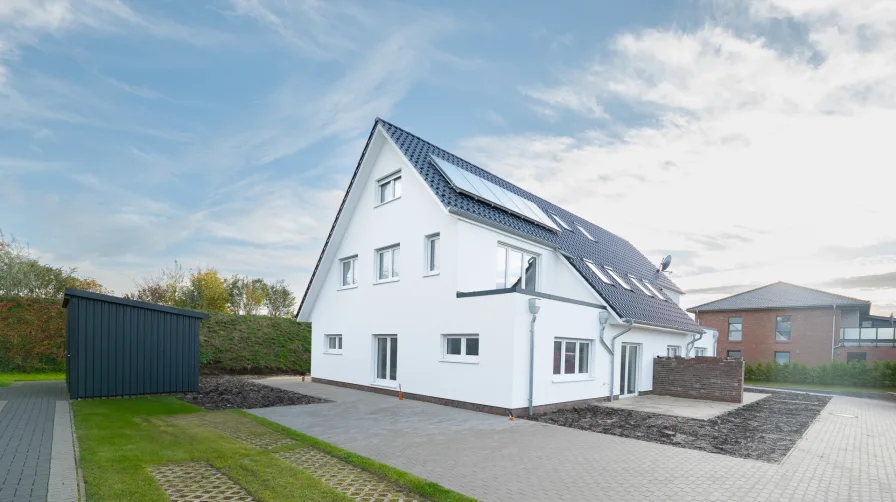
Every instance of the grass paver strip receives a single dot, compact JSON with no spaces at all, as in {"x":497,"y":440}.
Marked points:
{"x":764,"y":430}
{"x":348,"y":479}
{"x":237,"y":427}
{"x":195,"y":481}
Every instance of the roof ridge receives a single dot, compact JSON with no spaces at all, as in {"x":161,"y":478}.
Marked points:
{"x":527,"y":192}
{"x":736,"y":294}
{"x":698,"y":307}
{"x":828,"y":292}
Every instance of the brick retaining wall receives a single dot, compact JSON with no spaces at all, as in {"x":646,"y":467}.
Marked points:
{"x":710,"y":378}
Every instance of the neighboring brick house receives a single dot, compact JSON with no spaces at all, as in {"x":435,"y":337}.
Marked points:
{"x":788,"y":323}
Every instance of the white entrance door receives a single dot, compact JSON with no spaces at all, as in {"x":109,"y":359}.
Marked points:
{"x":628,"y":371}
{"x":386,"y":359}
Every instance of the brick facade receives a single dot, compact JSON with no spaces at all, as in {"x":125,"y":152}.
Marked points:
{"x":810,"y":341}
{"x":710,"y":378}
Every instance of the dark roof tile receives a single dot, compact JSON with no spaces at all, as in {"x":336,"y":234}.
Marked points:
{"x":780,"y":295}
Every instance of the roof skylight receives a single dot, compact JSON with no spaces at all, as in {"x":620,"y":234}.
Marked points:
{"x":618,"y":279}
{"x":561,"y":222}
{"x":584,"y":232}
{"x":474,"y":186}
{"x":598,"y":272}
{"x":640,"y":286}
{"x":655,"y":290}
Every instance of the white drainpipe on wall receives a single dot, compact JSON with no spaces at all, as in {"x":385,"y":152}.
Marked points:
{"x":833,"y":329}
{"x":533,"y":309}
{"x":715,"y":344}
{"x":604,"y":317}
{"x":690,"y":344}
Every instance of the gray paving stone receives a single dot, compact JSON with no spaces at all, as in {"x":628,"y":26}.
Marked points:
{"x":492,"y":458}
{"x":27,"y":440}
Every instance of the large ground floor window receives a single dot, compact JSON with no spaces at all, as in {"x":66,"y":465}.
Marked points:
{"x":386,"y":358}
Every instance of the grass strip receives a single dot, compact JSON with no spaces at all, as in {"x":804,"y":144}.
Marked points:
{"x":119,"y":438}
{"x":427,"y":489}
{"x":6,"y":379}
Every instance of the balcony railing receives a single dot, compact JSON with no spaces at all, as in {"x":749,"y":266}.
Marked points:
{"x":868,"y":336}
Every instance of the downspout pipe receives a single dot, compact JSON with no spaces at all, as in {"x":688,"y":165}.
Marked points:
{"x":690,"y":344}
{"x":533,"y":309}
{"x":715,"y":344}
{"x":833,"y":329}
{"x":609,"y":348}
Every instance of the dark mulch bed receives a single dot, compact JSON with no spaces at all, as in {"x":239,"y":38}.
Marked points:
{"x":765,"y":430}
{"x":228,"y":392}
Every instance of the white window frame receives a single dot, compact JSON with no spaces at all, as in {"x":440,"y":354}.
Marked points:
{"x":338,"y":344}
{"x":560,"y":221}
{"x":393,"y":277}
{"x":673,"y":350}
{"x":379,"y":381}
{"x":640,"y":286}
{"x":427,"y":254}
{"x":600,"y":275}
{"x":618,"y":278}
{"x":538,"y":263}
{"x":699,"y":352}
{"x":392,"y":180}
{"x":575,"y":376}
{"x":655,"y":290}
{"x":463,"y":357}
{"x":585,"y":232}
{"x":353,"y":260}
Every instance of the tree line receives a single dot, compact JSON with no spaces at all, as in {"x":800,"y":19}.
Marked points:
{"x":22,"y":274}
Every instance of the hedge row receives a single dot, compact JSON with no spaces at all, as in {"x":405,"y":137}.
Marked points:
{"x":32,"y":339}
{"x":880,"y":374}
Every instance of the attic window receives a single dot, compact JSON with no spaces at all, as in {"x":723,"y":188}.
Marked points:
{"x":655,"y":290}
{"x":561,"y":222}
{"x":618,"y":279}
{"x":640,"y":286}
{"x":585,"y":232}
{"x":598,"y":272}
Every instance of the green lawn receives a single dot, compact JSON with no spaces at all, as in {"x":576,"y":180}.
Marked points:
{"x":7,"y":378}
{"x":119,"y":438}
{"x":808,"y":386}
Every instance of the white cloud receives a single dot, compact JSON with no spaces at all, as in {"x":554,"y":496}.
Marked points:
{"x":732,"y":128}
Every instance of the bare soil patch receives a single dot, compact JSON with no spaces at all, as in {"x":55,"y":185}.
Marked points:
{"x":765,"y":430}
{"x":227,"y":392}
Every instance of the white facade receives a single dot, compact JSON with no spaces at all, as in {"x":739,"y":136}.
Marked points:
{"x":419,"y":307}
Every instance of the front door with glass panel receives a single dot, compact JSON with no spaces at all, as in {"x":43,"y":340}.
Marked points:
{"x":628,"y":371}
{"x":386,"y":359}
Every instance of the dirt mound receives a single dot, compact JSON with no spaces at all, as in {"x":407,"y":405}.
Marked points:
{"x":240,"y":392}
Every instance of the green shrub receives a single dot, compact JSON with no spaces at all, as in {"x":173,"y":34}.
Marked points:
{"x":879,"y":374}
{"x":32,"y":335}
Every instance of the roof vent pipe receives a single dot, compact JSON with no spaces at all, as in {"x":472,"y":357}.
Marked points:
{"x":533,"y":309}
{"x":604,"y":317}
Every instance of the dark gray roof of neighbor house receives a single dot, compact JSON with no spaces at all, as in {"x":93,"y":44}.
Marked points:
{"x":607,"y":249}
{"x":780,"y":295}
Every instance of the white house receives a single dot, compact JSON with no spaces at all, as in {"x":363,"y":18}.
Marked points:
{"x":426,"y":279}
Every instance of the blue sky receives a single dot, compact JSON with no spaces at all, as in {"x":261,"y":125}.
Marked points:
{"x":748,"y":139}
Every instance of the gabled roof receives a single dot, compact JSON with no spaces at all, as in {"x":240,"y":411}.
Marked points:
{"x":606,"y":248}
{"x":780,"y":295}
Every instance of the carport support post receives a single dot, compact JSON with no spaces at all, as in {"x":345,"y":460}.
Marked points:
{"x":604,"y":316}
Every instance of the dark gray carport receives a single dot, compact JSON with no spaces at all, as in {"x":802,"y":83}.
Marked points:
{"x":120,"y":347}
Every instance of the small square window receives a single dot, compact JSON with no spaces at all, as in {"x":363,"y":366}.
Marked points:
{"x":782,"y":357}
{"x":572,"y":358}
{"x":782,"y":328}
{"x":584,"y":232}
{"x":460,"y":348}
{"x":699,"y":352}
{"x":597,"y":271}
{"x":734,"y":354}
{"x":735,"y":329}
{"x":388,"y":188}
{"x":348,"y":277}
{"x":432,"y":254}
{"x":618,"y":279}
{"x":387,"y":264}
{"x":334,"y":344}
{"x":673,"y":351}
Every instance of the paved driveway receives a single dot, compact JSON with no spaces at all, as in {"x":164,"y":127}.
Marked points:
{"x":492,"y":458}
